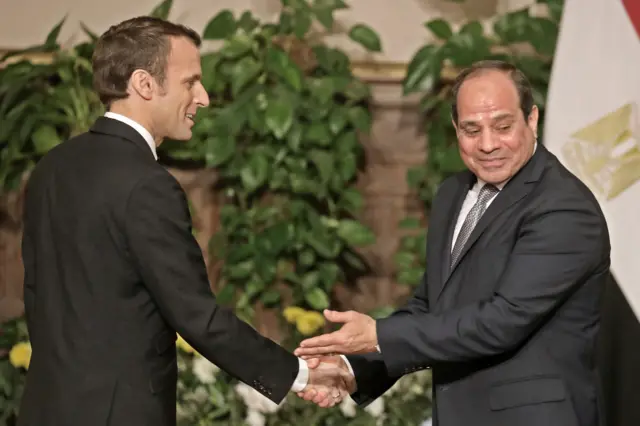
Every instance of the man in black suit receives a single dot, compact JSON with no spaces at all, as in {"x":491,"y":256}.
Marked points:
{"x":112,"y":270}
{"x":517,"y":256}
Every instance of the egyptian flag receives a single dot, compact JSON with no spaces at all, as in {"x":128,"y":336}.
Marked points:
{"x":592,"y":124}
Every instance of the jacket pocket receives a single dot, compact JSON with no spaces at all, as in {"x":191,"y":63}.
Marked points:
{"x":526,"y":391}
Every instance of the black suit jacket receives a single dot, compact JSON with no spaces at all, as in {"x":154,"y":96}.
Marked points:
{"x":509,"y":331}
{"x":112,"y":272}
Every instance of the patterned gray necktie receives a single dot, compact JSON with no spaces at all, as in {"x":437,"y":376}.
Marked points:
{"x":472,"y":219}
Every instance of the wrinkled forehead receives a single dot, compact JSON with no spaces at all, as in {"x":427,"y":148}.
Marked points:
{"x":488,"y":96}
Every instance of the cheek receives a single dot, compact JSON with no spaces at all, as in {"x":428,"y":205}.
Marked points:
{"x":466,"y":146}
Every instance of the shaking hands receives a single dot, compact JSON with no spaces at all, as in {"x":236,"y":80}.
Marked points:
{"x":330,"y":379}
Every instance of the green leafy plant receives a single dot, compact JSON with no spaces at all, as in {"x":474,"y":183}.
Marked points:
{"x":517,"y":37}
{"x":282,"y":134}
{"x":42,"y":104}
{"x":12,"y":377}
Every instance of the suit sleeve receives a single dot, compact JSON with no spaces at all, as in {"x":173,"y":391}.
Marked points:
{"x":372,"y":376}
{"x":559,"y":245}
{"x":170,"y":262}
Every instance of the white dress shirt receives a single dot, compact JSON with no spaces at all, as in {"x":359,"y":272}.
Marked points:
{"x":303,"y":371}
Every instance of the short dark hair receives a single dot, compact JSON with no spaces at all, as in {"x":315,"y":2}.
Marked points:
{"x":137,"y":43}
{"x":520,"y":81}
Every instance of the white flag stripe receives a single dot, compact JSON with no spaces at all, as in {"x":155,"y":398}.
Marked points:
{"x":596,"y":72}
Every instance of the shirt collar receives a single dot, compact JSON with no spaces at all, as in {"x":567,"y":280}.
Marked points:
{"x":138,"y":127}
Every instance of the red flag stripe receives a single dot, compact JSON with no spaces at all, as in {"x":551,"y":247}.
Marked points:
{"x":633,"y":10}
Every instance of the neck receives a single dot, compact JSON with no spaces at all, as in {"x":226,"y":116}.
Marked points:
{"x":133,"y":112}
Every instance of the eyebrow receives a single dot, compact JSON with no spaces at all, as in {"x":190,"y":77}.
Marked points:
{"x":498,"y":117}
{"x":194,"y":77}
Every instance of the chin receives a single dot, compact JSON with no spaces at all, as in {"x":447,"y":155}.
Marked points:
{"x":494,"y":177}
{"x":181,"y":136}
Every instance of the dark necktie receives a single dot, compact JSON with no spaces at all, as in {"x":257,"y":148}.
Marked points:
{"x":472,"y":219}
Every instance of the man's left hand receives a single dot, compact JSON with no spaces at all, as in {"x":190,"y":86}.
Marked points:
{"x":357,"y":336}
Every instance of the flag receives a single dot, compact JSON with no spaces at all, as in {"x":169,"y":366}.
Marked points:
{"x":592,"y":124}
{"x":592,"y":121}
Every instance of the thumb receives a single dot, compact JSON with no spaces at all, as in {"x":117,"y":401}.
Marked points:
{"x":335,"y":316}
{"x":312,"y":362}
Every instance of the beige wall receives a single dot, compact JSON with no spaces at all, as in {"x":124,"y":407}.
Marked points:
{"x":399,"y":22}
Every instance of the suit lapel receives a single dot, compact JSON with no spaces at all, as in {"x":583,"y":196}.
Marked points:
{"x":110,"y":126}
{"x":516,"y":189}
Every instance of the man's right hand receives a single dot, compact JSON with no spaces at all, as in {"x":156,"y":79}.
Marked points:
{"x":330,"y":381}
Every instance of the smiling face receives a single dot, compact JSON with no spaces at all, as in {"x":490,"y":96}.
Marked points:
{"x":494,"y":138}
{"x":181,"y":94}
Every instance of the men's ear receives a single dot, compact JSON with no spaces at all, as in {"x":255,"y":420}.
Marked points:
{"x":532,"y":120}
{"x":142,"y":83}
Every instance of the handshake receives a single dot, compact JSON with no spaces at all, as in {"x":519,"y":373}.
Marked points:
{"x":330,"y":377}
{"x":330,"y":381}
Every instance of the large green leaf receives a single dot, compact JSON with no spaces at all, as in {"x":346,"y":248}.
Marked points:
{"x":351,"y":200}
{"x":275,"y":238}
{"x":270,"y":297}
{"x":465,"y":48}
{"x":513,"y":27}
{"x":317,"y":299}
{"x":322,"y":89}
{"x":324,"y":15}
{"x":220,"y":148}
{"x":423,"y":70}
{"x":52,"y":37}
{"x":162,"y":10}
{"x":237,"y":46}
{"x":330,"y":59}
{"x":278,"y":62}
{"x":45,"y":138}
{"x":220,"y":26}
{"x":543,"y":35}
{"x":355,"y":233}
{"x":366,"y":37}
{"x":302,"y":24}
{"x":245,"y":71}
{"x":338,"y":120}
{"x":318,"y":133}
{"x":279,"y":117}
{"x":248,"y":23}
{"x":323,"y":161}
{"x":323,"y":244}
{"x":360,"y":118}
{"x":440,"y":28}
{"x":310,"y":281}
{"x":255,"y":172}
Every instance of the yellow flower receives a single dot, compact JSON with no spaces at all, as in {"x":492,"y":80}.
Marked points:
{"x":292,"y":313}
{"x":20,"y":355}
{"x":184,"y":346}
{"x":309,"y":322}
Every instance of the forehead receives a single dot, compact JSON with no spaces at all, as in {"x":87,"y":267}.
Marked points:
{"x":184,"y":56}
{"x":487,"y":92}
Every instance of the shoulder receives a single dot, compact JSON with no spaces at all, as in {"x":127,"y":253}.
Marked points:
{"x":560,"y":187}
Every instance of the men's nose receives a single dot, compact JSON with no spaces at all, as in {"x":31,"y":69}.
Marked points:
{"x":202,"y":97}
{"x":488,"y":141}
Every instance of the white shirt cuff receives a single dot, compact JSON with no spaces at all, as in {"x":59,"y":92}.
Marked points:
{"x":346,"y":361}
{"x":303,"y":377}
